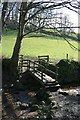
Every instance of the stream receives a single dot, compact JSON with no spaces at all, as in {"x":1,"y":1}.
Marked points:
{"x":67,"y":104}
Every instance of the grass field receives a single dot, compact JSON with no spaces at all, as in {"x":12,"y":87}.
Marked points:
{"x":34,"y":45}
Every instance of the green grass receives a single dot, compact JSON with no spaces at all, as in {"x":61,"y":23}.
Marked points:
{"x":8,"y":42}
{"x":34,"y":45}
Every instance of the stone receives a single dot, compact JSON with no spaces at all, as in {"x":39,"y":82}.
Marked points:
{"x":24,"y":106}
{"x":78,"y":95}
{"x":64,"y":93}
{"x":73,"y":92}
{"x":18,"y":103}
{"x":34,"y":108}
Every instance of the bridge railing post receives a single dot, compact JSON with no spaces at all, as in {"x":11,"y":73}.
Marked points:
{"x":57,"y":72}
{"x":28,"y":65}
{"x":20,"y":66}
{"x":42,"y":70}
{"x":41,"y":75}
{"x":34,"y":66}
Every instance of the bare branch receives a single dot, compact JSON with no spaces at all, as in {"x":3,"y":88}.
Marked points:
{"x":10,"y":11}
{"x":32,"y":31}
{"x":70,"y":44}
{"x":42,"y":8}
{"x":5,"y":5}
{"x":74,"y":6}
{"x":72,"y":9}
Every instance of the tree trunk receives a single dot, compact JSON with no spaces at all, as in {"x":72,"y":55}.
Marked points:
{"x":4,"y":9}
{"x":16,"y":50}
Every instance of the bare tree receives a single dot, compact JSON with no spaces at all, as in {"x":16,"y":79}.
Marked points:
{"x":25,"y":18}
{"x":6,"y":10}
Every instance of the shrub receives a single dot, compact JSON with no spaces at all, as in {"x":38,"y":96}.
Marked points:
{"x":8,"y":76}
{"x":12,"y":24}
{"x":43,"y":95}
{"x":68,"y":72}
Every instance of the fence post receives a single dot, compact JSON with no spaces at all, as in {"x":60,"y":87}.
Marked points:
{"x":67,"y":56}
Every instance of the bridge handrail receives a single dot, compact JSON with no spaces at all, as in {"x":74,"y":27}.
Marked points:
{"x":35,"y":66}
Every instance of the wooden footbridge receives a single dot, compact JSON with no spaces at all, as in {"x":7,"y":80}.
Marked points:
{"x":38,"y":69}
